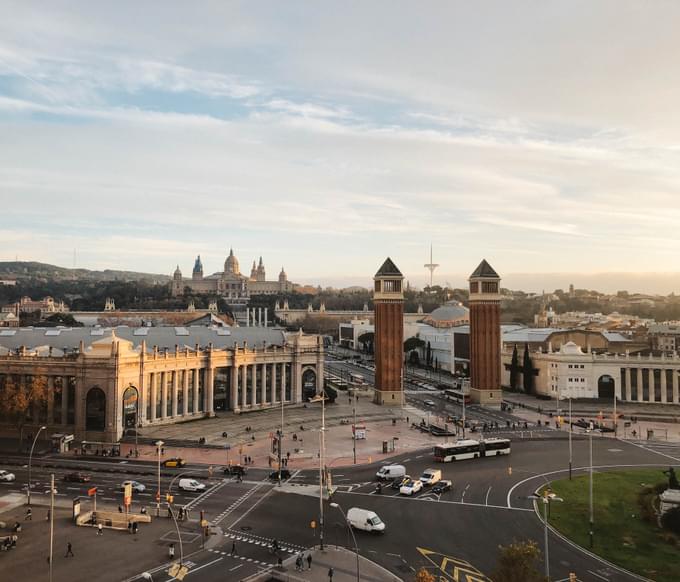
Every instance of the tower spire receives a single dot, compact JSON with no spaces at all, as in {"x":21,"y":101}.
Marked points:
{"x":431,"y":266}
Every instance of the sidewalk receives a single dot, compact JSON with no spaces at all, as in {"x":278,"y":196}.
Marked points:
{"x":343,"y":562}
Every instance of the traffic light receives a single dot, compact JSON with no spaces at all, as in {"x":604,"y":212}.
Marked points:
{"x":169,"y":498}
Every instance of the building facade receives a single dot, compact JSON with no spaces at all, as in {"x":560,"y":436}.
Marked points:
{"x":572,"y":372}
{"x":28,"y":305}
{"x":485,"y":336}
{"x":388,"y":300}
{"x":102,"y":382}
{"x":231,"y":284}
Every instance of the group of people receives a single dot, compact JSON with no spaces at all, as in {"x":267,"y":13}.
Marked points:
{"x":300,"y":562}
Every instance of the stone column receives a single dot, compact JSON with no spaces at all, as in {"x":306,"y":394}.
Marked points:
{"x":263,"y":385}
{"x":175,"y":390}
{"x":253,"y":380}
{"x":197,"y":371}
{"x":143,"y":396}
{"x":64,"y":400}
{"x":50,"y":400}
{"x":283,"y":381}
{"x":244,"y":386}
{"x":663,"y":385}
{"x":272,"y":383}
{"x":233,"y":396}
{"x":639,"y":384}
{"x":152,"y":382}
{"x":627,"y":380}
{"x":80,"y":406}
{"x":650,"y":376}
{"x":164,"y":394}
{"x":210,"y":391}
{"x":676,"y":396}
{"x":297,"y":385}
{"x":185,"y":393}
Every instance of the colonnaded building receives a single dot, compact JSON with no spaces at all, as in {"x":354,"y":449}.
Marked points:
{"x":102,"y":381}
{"x":230,"y":283}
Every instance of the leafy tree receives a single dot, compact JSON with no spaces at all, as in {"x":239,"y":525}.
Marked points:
{"x":60,"y":319}
{"x":518,"y":562}
{"x":413,"y":343}
{"x":414,"y":358}
{"x":18,"y":398}
{"x":366,"y":340}
{"x":331,"y":393}
{"x":528,"y":371}
{"x":671,"y":520}
{"x":428,"y":355}
{"x":424,"y":576}
{"x":514,"y":368}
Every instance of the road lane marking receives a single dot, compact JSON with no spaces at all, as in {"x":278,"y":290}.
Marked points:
{"x":236,"y":567}
{"x":486,"y":500}
{"x":462,"y":497}
{"x":598,"y":575}
{"x":421,"y":499}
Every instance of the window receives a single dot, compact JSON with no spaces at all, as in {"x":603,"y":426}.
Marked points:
{"x":474,"y":287}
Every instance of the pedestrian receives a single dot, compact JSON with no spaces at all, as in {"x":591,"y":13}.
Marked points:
{"x":49,"y":514}
{"x":129,"y":527}
{"x":120,"y":509}
{"x":287,"y":455}
{"x":135,"y":527}
{"x":298,"y":563}
{"x":99,"y":529}
{"x":143,"y":510}
{"x":309,"y":561}
{"x":29,"y":514}
{"x":233,"y":549}
{"x":330,"y":574}
{"x":270,"y":461}
{"x":69,"y":550}
{"x":279,"y":562}
{"x":171,"y":551}
{"x":162,"y":450}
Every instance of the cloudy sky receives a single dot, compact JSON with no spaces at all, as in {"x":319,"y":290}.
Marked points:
{"x":542,"y":135}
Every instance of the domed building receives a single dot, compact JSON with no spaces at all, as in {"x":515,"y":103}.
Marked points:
{"x":451,"y":314}
{"x":230,"y":284}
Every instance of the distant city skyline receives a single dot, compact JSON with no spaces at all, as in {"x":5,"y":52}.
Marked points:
{"x":325,"y":138}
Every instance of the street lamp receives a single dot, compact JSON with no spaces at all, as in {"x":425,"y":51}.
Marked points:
{"x":547,"y":497}
{"x":590,"y":486}
{"x":159,"y":444}
{"x":356,"y":546}
{"x":30,"y":458}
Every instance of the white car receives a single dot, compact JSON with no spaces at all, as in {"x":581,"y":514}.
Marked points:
{"x":137,"y":487}
{"x":429,"y":403}
{"x":411,"y":487}
{"x":191,"y":485}
{"x":6,"y":476}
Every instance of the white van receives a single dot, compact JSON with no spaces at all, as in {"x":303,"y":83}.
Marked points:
{"x":388,"y":472}
{"x":365,"y":520}
{"x":431,"y":476}
{"x":191,"y":485}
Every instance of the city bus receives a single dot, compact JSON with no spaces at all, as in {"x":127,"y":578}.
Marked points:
{"x":457,"y":396}
{"x":355,"y":378}
{"x":495,"y":446}
{"x":466,"y":449}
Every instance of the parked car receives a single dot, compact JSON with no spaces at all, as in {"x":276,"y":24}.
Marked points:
{"x":174,"y":462}
{"x":191,"y":485}
{"x":429,"y":403}
{"x":274,"y":475}
{"x":365,"y":520}
{"x":6,"y":476}
{"x":238,"y":470}
{"x":137,"y":487}
{"x":411,"y":486}
{"x":399,"y":481}
{"x":442,"y":487}
{"x":77,"y":477}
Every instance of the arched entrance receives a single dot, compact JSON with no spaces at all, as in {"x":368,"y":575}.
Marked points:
{"x":130,"y":407}
{"x":95,"y":409}
{"x":605,"y":387}
{"x":308,"y":384}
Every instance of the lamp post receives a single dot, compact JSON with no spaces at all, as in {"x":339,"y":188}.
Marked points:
{"x":570,"y":447}
{"x":354,"y":431}
{"x":590,"y":486}
{"x":51,"y":522}
{"x":30,"y":458}
{"x":464,"y":385}
{"x":356,"y":546}
{"x":547,"y":497}
{"x":283,"y":397}
{"x":159,"y":444}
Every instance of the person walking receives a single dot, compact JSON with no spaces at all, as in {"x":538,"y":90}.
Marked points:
{"x":69,"y":550}
{"x":233,"y":549}
{"x":309,"y":561}
{"x":298,"y":563}
{"x":100,"y":530}
{"x":171,"y":551}
{"x":29,"y":514}
{"x":330,"y":574}
{"x":49,"y":514}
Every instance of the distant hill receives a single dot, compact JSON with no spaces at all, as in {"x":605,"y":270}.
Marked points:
{"x":35,"y":270}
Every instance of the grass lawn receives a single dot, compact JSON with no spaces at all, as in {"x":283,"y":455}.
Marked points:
{"x":621,"y":535}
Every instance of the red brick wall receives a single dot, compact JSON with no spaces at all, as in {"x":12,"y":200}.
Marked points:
{"x":389,"y":344}
{"x":485,"y":345}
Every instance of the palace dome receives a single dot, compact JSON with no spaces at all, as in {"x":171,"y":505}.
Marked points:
{"x":231,"y":264}
{"x":448,"y":315}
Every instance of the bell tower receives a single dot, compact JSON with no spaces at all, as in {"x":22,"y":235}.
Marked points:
{"x":388,"y":300}
{"x":485,"y":336}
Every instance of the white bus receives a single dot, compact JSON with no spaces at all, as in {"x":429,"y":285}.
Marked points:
{"x":464,"y":449}
{"x":471,"y":449}
{"x":495,"y":446}
{"x":457,"y":396}
{"x":356,"y":378}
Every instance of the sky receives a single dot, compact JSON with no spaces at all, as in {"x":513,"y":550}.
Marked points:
{"x":541,"y":135}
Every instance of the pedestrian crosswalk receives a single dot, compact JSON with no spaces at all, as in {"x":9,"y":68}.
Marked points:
{"x":243,"y":558}
{"x":667,"y":449}
{"x":262,"y":541}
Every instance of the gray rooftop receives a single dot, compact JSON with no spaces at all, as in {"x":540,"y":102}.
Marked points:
{"x":388,"y":269}
{"x":163,"y":337}
{"x":533,"y":334}
{"x":484,"y":271}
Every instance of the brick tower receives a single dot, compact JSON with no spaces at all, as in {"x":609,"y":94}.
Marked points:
{"x":485,"y":336}
{"x":388,"y":300}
